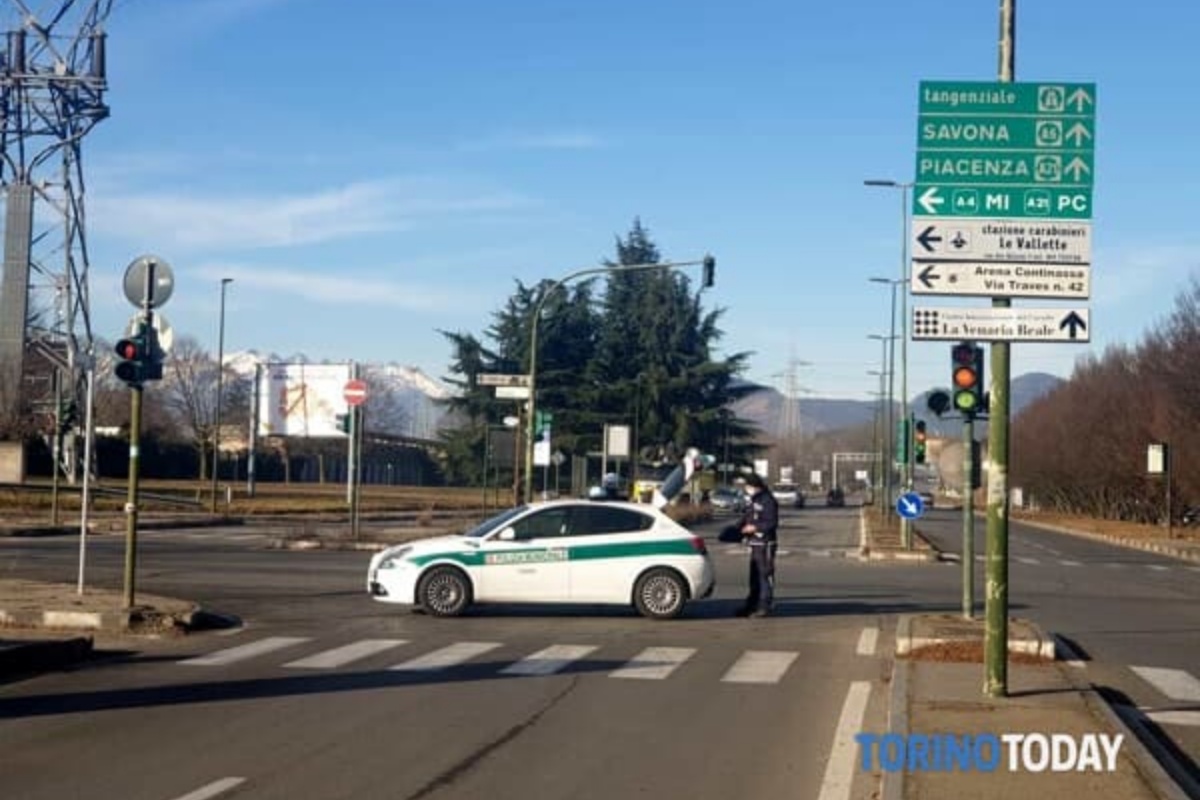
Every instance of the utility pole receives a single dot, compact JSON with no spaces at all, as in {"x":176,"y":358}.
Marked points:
{"x":52,"y":88}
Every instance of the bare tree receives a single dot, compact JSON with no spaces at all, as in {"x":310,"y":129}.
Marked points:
{"x":190,"y":394}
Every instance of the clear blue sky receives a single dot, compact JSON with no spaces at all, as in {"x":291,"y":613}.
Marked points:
{"x":371,"y":172}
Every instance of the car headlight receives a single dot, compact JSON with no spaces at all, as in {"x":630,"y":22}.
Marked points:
{"x":394,"y":558}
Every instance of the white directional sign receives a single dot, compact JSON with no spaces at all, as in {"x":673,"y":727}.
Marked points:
{"x":512,"y":392}
{"x":496,"y":379}
{"x":1001,"y":324}
{"x":996,"y":279}
{"x":1013,"y":241}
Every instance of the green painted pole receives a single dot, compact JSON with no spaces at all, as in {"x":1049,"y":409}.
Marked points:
{"x":131,"y":502}
{"x":968,"y":521}
{"x":995,"y":682}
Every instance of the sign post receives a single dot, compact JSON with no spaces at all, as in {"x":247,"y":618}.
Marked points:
{"x":1002,"y":208}
{"x":355,"y":394}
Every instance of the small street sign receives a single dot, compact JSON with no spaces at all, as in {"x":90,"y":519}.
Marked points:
{"x":1010,"y":241}
{"x":355,"y":392}
{"x":1001,"y":324}
{"x":497,"y":379}
{"x":910,"y":505}
{"x":512,"y":392}
{"x":992,"y":279}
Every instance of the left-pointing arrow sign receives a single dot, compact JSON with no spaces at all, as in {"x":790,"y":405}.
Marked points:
{"x":927,"y":239}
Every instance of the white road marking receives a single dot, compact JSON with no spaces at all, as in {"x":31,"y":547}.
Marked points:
{"x":760,"y":666}
{"x":840,"y":768}
{"x":241,"y":652}
{"x":213,"y":789}
{"x":1031,"y":561}
{"x":1066,"y":562}
{"x":344,"y":655}
{"x":1188,"y":718}
{"x":1174,"y":683}
{"x":1157,"y":567}
{"x":548,"y":661}
{"x":453,"y":655}
{"x":1115,"y":565}
{"x":866,"y":641}
{"x":1072,"y":656}
{"x":654,"y":663}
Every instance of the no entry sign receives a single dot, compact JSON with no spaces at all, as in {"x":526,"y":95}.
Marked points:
{"x":355,"y":392}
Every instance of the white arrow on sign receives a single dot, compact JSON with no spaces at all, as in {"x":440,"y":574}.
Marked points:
{"x":930,"y":201}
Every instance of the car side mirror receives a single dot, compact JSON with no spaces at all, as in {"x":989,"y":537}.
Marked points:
{"x":507,"y":535}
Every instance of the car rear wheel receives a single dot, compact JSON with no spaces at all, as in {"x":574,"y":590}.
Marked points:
{"x":444,"y":592}
{"x":660,"y":594}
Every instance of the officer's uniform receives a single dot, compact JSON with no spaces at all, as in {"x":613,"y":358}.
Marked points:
{"x":763,"y":514}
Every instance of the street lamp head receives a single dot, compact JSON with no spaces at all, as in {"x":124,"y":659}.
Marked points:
{"x":879,"y":182}
{"x":226,"y":280}
{"x":890,"y":281}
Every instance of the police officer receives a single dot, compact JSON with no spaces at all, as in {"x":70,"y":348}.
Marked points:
{"x":759,"y":532}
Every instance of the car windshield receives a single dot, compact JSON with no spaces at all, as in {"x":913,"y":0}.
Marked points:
{"x":492,"y":523}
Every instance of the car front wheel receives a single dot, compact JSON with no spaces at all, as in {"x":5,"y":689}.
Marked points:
{"x":660,"y":594}
{"x":444,"y":592}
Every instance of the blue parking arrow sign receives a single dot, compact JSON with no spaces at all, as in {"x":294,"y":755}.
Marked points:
{"x":910,"y":505}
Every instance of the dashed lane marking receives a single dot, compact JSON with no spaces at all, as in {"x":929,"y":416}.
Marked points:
{"x":866,"y":641}
{"x":840,"y":768}
{"x":213,"y":789}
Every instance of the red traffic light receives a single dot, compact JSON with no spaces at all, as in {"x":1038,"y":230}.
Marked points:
{"x":127,"y":349}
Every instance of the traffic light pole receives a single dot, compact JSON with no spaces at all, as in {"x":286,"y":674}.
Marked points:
{"x":131,"y":502}
{"x":968,"y":519}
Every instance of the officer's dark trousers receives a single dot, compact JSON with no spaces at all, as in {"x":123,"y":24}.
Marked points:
{"x":762,"y":577}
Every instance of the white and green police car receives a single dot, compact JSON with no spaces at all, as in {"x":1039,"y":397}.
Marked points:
{"x":568,"y":551}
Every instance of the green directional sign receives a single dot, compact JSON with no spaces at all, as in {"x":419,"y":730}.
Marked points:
{"x":1005,"y":150}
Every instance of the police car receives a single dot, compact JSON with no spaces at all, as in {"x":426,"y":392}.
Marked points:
{"x":563,"y":551}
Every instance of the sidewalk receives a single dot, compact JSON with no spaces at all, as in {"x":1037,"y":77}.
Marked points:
{"x":937,"y":688}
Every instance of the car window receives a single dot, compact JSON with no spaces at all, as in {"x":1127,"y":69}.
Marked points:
{"x":498,"y":521}
{"x":545,"y":524}
{"x":598,"y":519}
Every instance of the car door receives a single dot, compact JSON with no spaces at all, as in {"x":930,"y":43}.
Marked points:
{"x":532,"y":566}
{"x":608,"y":546}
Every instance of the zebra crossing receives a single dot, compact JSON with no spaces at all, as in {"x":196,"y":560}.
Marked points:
{"x":1180,"y":687}
{"x":650,"y":663}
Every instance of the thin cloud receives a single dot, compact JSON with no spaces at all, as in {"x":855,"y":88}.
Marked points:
{"x":341,"y":289}
{"x":1121,"y":275}
{"x":535,"y":141}
{"x":285,"y":220}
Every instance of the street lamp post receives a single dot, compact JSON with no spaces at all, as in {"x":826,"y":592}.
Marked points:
{"x":220,"y":381}
{"x":905,"y":526}
{"x":709,"y":264}
{"x":887,"y":366}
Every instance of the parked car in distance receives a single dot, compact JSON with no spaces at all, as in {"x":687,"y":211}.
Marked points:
{"x":835,"y":498}
{"x":727,"y":498}
{"x":788,"y":494}
{"x":926,"y":498}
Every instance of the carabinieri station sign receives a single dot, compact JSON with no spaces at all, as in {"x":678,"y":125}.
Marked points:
{"x":1002,"y":200}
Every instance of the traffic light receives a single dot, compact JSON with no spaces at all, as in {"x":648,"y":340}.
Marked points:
{"x":938,"y":401}
{"x":709,"y":275}
{"x":919,"y":443}
{"x":134,"y":353}
{"x":967,"y":378}
{"x":343,"y":422}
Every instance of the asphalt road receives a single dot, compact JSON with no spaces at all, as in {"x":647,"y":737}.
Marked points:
{"x":324,"y":693}
{"x":1132,"y":618}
